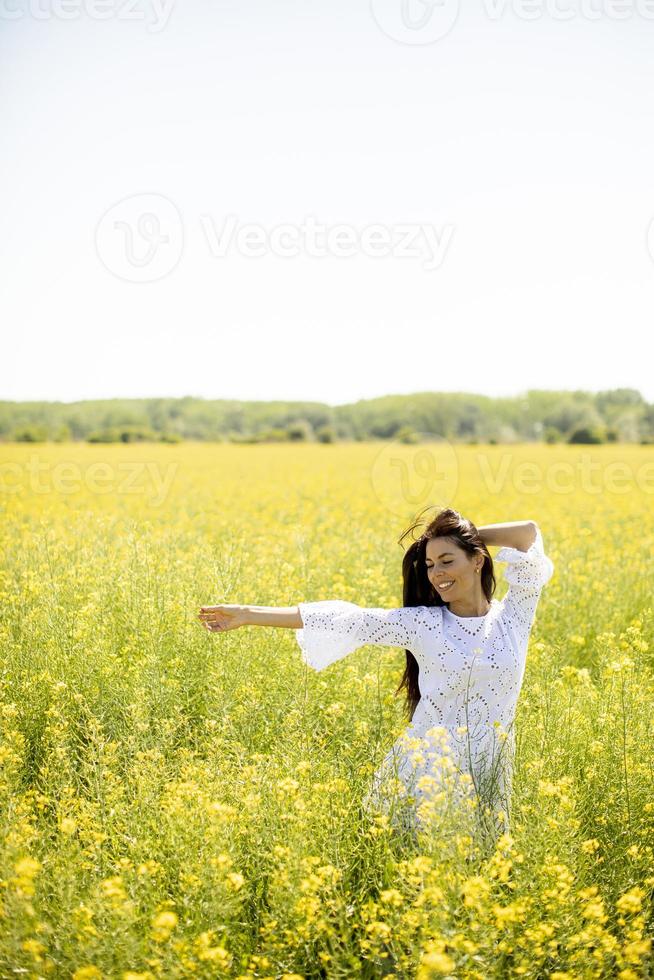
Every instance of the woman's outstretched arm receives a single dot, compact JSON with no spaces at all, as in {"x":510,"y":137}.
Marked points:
{"x":512,"y":534}
{"x":329,"y":629}
{"x":218,"y":619}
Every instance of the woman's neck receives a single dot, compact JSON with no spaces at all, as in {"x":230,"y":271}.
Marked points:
{"x":470,"y":607}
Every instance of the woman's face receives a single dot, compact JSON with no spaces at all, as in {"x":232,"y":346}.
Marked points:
{"x":446,"y":562}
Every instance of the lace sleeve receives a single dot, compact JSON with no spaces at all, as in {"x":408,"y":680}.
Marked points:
{"x":526,"y":573}
{"x":332,"y":628}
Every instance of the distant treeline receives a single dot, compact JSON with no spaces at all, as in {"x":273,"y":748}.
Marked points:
{"x":620,"y":415}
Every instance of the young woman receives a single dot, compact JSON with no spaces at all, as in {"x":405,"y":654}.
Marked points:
{"x":465,"y":661}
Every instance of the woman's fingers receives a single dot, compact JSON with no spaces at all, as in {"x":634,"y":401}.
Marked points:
{"x":211,"y":626}
{"x":212,"y":610}
{"x":210,"y":614}
{"x":214,"y":618}
{"x":219,"y":618}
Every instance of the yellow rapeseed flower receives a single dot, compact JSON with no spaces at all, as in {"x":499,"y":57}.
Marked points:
{"x":434,"y":963}
{"x":631,"y":902}
{"x":379,"y":930}
{"x":87,"y":973}
{"x":26,"y":869}
{"x":34,"y":948}
{"x":163,"y":924}
{"x":391,"y":896}
{"x":475,"y":890}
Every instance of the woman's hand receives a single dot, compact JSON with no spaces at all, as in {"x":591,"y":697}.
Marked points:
{"x":218,"y":619}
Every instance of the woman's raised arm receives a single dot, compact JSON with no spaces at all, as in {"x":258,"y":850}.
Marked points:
{"x":218,"y":619}
{"x":512,"y":534}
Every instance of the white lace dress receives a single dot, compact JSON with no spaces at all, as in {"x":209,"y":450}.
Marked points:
{"x":460,"y":743}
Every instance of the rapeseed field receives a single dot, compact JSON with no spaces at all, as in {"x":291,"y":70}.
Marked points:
{"x":177,"y":804}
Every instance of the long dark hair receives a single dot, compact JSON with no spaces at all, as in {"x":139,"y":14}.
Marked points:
{"x":418,"y":590}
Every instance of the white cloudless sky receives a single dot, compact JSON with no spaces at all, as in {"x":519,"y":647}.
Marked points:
{"x":526,"y":146}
